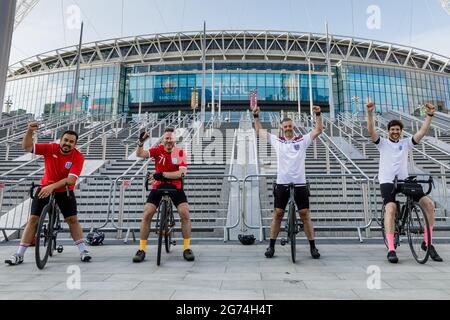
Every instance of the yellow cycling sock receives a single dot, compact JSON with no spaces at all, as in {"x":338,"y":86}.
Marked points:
{"x":143,"y":245}
{"x":186,"y":243}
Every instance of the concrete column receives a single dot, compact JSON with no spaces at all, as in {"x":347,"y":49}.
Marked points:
{"x":7,"y":14}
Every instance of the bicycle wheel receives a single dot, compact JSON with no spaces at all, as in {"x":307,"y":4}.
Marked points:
{"x":417,"y":223}
{"x":162,"y":229}
{"x":291,"y":231}
{"x":168,"y":235}
{"x":44,"y":237}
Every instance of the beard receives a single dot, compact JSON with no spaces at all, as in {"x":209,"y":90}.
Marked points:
{"x":65,"y":149}
{"x":289,"y":134}
{"x":169,"y":146}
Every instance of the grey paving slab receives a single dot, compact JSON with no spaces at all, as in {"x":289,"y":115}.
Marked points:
{"x":160,"y":294}
{"x":218,"y":294}
{"x":339,"y":284}
{"x":263,"y":284}
{"x":100,"y":286}
{"x":145,"y":277}
{"x":302,"y":294}
{"x":402,"y":294}
{"x":224,"y":276}
{"x":419,"y":284}
{"x":176,"y":284}
{"x":383,"y":275}
{"x":227,"y":271}
{"x":299,"y":276}
{"x":39,"y":295}
{"x":27,"y":286}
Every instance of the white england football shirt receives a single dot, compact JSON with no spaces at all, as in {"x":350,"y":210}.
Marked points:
{"x":393,"y":159}
{"x":291,"y":155}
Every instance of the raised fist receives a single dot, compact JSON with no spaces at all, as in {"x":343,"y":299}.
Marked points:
{"x":370,"y":105}
{"x":33,"y":126}
{"x":143,"y":136}
{"x":430,"y":109}
{"x":316,"y":109}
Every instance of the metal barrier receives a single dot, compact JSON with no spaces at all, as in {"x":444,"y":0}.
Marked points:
{"x":93,"y":194}
{"x":338,"y":202}
{"x":208,"y":199}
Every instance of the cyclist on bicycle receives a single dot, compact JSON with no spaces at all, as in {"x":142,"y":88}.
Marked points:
{"x":170,"y":167}
{"x":394,"y":162}
{"x":291,"y":154}
{"x":63,"y":164}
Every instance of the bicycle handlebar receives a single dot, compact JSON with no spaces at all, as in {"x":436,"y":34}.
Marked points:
{"x":33,"y":186}
{"x":430,"y":183}
{"x":147,"y":178}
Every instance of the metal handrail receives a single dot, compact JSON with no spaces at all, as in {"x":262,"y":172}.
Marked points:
{"x":331,"y":151}
{"x":362,"y":180}
{"x":414,"y":118}
{"x":419,"y":151}
{"x":79,"y":148}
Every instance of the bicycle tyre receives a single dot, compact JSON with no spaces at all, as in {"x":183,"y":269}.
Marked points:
{"x":44,"y":237}
{"x":168,"y":235}
{"x":291,"y":231}
{"x":55,"y":223}
{"x":162,"y":229}
{"x":416,"y":223}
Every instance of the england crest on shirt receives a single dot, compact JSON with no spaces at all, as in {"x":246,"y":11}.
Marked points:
{"x":174,"y":160}
{"x":296,"y":147}
{"x":68,"y":165}
{"x":400,"y":148}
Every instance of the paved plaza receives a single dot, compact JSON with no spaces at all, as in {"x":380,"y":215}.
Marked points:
{"x":228,"y":271}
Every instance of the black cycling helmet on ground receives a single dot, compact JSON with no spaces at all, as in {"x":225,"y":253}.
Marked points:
{"x":95,"y":238}
{"x":247,"y":239}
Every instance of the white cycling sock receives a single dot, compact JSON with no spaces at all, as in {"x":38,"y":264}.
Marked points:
{"x":22,"y":248}
{"x":81,"y":246}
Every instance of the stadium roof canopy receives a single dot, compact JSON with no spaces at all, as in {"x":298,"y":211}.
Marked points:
{"x":234,"y":45}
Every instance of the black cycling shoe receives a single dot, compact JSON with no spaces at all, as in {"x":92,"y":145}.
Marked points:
{"x":270,"y":251}
{"x":315,"y":253}
{"x":140,"y":256}
{"x":433,"y":254}
{"x":188,"y":255}
{"x":392,"y":257}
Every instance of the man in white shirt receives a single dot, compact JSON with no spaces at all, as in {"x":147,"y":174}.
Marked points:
{"x":394,"y":162}
{"x":291,"y":154}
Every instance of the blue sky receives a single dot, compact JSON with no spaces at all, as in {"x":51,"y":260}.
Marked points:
{"x":419,"y":23}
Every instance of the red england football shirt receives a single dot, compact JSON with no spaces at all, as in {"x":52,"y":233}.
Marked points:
{"x":168,"y":162}
{"x":59,"y":166}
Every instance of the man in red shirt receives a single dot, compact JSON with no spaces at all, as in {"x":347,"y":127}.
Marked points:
{"x":170,"y":167}
{"x":63,"y":164}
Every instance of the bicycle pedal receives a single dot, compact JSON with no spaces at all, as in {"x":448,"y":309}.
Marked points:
{"x":174,"y":243}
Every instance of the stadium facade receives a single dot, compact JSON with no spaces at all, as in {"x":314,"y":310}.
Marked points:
{"x":157,"y":73}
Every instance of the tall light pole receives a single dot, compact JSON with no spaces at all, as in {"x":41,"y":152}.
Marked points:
{"x":330,"y":77}
{"x":7,"y":14}
{"x":212,"y":93}
{"x":77,"y":76}
{"x":299,"y":97}
{"x":311,"y":102}
{"x":202,"y":111}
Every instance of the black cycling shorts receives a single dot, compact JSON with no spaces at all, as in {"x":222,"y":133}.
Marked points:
{"x":281,"y":195}
{"x":177,"y":195}
{"x":388,"y":196}
{"x":67,"y":206}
